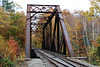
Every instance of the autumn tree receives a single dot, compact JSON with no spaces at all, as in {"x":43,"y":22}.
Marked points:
{"x":17,"y":27}
{"x":4,"y":22}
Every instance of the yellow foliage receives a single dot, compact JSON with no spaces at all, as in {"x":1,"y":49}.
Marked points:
{"x":1,"y":41}
{"x":2,"y":44}
{"x":1,"y":26}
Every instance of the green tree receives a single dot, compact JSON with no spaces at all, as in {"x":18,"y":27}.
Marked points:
{"x":17,"y":27}
{"x":10,"y":6}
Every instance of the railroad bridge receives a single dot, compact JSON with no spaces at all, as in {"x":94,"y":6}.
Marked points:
{"x":55,"y":38}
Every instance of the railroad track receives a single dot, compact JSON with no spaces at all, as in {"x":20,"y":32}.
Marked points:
{"x":59,"y":60}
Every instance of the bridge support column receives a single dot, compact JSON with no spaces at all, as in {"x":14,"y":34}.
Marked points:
{"x":43,"y":43}
{"x":54,"y":39}
{"x":64,"y":49}
{"x":28,"y":34}
{"x":50,"y":34}
{"x":57,"y":20}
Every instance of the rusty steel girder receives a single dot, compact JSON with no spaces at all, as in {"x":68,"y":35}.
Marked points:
{"x":28,"y":34}
{"x":66,"y":36}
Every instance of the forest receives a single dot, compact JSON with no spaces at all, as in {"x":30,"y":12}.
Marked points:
{"x":83,"y":28}
{"x":12,"y":35}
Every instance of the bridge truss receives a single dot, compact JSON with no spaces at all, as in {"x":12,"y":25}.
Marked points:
{"x":55,"y":35}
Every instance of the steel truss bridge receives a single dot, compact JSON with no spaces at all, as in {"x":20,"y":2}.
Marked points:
{"x":48,"y":20}
{"x":53,"y":39}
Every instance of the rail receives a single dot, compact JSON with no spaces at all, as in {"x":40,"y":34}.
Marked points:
{"x":60,"y":60}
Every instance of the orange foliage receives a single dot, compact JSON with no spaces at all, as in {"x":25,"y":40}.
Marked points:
{"x":11,"y":49}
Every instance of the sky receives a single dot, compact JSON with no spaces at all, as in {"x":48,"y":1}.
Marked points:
{"x":71,"y":5}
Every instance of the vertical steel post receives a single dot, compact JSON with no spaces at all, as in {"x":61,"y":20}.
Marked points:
{"x":57,"y":20}
{"x":49,"y":37}
{"x":43,"y":43}
{"x":28,"y":34}
{"x":54,"y":39}
{"x":50,"y":34}
{"x":46,"y":38}
{"x":64,"y":48}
